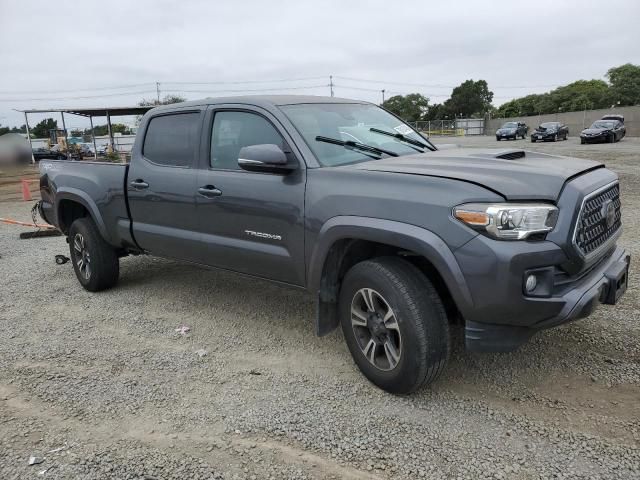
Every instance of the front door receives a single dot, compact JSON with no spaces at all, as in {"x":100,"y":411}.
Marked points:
{"x":162,"y":186}
{"x":251,"y":222}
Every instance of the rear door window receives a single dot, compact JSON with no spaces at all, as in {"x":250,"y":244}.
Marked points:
{"x":173,"y":139}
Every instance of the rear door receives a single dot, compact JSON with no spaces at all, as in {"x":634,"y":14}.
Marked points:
{"x":161,"y":185}
{"x":253,"y":222}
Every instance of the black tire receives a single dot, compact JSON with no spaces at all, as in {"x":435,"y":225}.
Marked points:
{"x":102,"y":263}
{"x":612,"y":138}
{"x":422,"y":325}
{"x":533,"y":140}
{"x":497,"y":139}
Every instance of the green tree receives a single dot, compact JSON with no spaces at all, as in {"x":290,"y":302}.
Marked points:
{"x":166,"y":100}
{"x":470,"y":98}
{"x":580,"y":95}
{"x":411,"y":107}
{"x":625,"y":84}
{"x":41,"y":130}
{"x":100,"y":130}
{"x":4,"y":130}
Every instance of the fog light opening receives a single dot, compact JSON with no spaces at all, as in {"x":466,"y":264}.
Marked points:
{"x":531,"y":283}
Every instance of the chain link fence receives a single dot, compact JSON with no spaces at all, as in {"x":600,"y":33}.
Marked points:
{"x":457,"y":127}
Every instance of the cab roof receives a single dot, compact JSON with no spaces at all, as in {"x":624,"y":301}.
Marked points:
{"x":261,"y":101}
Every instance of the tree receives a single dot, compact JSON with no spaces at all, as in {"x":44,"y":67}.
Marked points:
{"x":168,"y":99}
{"x":100,"y":130}
{"x":625,"y":84}
{"x":470,"y":99}
{"x":579,"y":95}
{"x":411,"y":107}
{"x":41,"y":130}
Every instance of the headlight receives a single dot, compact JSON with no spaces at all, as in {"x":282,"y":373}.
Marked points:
{"x":508,"y":221}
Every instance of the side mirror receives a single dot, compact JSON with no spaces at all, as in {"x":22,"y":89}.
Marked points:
{"x":265,"y":157}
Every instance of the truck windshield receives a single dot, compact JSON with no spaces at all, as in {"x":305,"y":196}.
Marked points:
{"x":354,"y":123}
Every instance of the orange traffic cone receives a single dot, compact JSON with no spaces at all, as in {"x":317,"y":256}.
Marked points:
{"x":26,"y":192}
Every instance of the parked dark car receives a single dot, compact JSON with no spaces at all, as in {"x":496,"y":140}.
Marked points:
{"x":603,"y":131}
{"x":44,"y":153}
{"x":550,"y":132}
{"x":613,"y":116}
{"x":512,"y":130}
{"x":395,"y":238}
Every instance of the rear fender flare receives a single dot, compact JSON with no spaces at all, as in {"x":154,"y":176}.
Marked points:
{"x":78,"y":196}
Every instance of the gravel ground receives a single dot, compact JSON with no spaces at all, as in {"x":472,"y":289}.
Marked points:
{"x":107,"y":378}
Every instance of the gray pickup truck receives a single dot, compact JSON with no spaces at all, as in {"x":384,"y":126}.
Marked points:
{"x":397,"y":239}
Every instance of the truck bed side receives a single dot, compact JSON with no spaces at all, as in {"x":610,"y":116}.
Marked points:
{"x":74,"y":189}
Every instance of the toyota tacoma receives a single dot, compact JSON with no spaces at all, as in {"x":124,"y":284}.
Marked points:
{"x":396,"y":239}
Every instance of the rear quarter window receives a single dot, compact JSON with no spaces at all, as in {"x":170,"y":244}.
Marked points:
{"x":172,"y":139}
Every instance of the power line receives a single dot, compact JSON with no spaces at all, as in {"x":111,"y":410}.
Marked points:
{"x":245,"y":90}
{"x":241,"y":82}
{"x":52,"y":92}
{"x":121,"y":94}
{"x":364,"y":80}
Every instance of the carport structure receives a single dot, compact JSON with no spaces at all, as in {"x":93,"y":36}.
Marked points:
{"x":88,"y":112}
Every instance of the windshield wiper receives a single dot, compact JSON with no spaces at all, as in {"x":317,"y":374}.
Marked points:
{"x":402,"y":137}
{"x":351,"y":145}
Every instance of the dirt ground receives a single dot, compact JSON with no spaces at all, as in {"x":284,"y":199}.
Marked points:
{"x":102,"y":386}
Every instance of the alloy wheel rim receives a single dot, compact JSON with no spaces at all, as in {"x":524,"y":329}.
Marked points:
{"x":83,"y":258}
{"x":376,"y":329}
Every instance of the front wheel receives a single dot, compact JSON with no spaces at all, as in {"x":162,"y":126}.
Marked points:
{"x":394,"y":324}
{"x":95,"y":262}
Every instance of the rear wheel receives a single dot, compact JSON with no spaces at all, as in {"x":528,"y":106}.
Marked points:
{"x":95,"y":262}
{"x":394,"y":324}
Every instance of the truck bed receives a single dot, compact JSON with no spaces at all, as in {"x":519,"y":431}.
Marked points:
{"x":98,"y":186}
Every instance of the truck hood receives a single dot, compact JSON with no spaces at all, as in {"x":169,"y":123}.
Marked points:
{"x":514,"y":174}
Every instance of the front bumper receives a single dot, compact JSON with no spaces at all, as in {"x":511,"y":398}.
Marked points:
{"x":595,"y":138}
{"x":504,"y":317}
{"x":542,"y":137}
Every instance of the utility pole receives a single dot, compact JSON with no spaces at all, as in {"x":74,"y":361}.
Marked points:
{"x":158,"y":91}
{"x":331,"y":84}
{"x":382,"y":95}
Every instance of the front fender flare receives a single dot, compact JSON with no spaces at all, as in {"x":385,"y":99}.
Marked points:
{"x":401,"y":235}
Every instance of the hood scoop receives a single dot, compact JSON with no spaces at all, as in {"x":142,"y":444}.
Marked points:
{"x":511,"y":154}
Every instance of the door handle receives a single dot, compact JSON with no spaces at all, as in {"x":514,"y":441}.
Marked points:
{"x":139,"y":184}
{"x":209,"y":191}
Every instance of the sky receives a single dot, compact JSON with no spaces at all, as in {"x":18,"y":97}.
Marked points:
{"x":52,"y":54}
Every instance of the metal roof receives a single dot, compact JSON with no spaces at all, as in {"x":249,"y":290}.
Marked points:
{"x":96,"y":112}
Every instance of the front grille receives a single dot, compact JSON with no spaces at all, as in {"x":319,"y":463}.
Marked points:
{"x":599,"y":220}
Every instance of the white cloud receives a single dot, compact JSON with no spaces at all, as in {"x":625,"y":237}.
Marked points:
{"x":86,"y":44}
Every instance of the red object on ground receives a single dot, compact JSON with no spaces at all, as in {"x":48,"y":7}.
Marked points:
{"x":11,"y":221}
{"x":26,"y":191}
